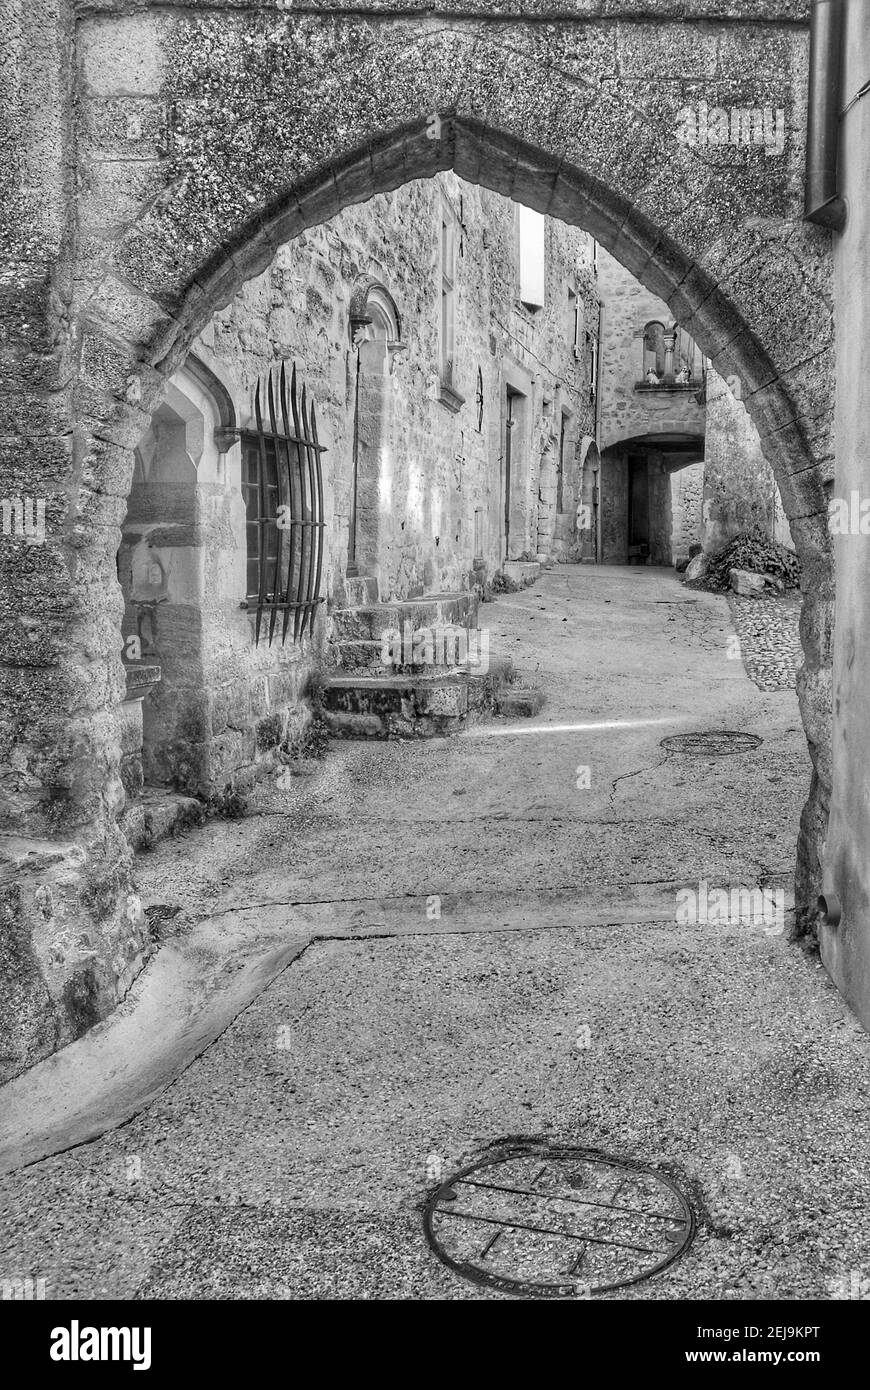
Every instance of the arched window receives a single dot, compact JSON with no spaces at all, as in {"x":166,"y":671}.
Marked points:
{"x":654,"y":349}
{"x":373,"y":313}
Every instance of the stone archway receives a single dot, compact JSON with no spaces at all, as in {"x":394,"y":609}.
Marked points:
{"x":208,"y":137}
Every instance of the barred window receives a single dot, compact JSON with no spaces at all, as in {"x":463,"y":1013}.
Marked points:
{"x":260,"y":526}
{"x":282,"y":484}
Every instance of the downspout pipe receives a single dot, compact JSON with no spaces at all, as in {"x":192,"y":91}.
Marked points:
{"x":823,"y":204}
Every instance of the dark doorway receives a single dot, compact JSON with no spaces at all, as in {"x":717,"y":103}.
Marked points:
{"x":638,"y":509}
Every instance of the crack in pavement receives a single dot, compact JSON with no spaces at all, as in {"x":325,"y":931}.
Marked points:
{"x":626,"y":776}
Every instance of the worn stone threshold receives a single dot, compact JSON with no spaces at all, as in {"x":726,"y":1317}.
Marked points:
{"x":202,"y":980}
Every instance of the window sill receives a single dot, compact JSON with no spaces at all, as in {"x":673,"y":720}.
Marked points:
{"x":449,"y":398}
{"x":670,"y":387}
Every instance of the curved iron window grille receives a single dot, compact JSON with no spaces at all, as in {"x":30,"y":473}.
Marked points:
{"x":282,"y":483}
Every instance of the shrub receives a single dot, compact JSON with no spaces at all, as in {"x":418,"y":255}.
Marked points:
{"x":751,"y":550}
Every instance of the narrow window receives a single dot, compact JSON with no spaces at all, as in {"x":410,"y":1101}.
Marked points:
{"x":448,"y":294}
{"x":653,"y":351}
{"x":478,"y":533}
{"x":532,"y":227}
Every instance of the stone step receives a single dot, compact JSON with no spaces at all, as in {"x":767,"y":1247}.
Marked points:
{"x":394,"y":706}
{"x":385,"y":657}
{"x":519,"y":701}
{"x":368,"y":622}
{"x":522,"y":571}
{"x":159,"y":813}
{"x":410,"y":706}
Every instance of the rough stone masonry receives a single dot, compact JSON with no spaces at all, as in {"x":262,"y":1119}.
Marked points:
{"x":156,"y":157}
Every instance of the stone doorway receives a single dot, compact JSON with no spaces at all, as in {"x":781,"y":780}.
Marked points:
{"x":159,"y":569}
{"x":638,"y":510}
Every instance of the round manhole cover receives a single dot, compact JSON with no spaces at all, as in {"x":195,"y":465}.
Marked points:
{"x":716,"y":743}
{"x":554,"y":1222}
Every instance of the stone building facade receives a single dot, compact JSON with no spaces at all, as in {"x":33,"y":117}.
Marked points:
{"x":682,"y":462}
{"x":430,"y":418}
{"x":447,"y":338}
{"x":652,"y":422}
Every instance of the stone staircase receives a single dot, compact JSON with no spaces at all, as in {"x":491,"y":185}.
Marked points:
{"x":362,"y":633}
{"x":412,"y":669}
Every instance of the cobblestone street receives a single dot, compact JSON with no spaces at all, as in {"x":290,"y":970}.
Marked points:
{"x":769,"y":635}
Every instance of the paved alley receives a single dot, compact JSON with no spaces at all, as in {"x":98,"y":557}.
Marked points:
{"x":487,"y":945}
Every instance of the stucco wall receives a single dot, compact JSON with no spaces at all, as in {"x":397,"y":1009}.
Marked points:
{"x":846,"y":864}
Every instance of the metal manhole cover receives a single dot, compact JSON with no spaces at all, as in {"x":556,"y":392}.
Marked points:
{"x":555,"y":1222}
{"x":716,"y":743}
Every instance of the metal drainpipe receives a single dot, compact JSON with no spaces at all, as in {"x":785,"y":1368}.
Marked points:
{"x":823,"y":203}
{"x":352,"y":569}
{"x":598,"y":473}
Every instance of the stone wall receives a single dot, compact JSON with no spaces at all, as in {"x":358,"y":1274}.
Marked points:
{"x":626,"y":411}
{"x":781,"y":529}
{"x":740,"y":491}
{"x":661,"y":514}
{"x":429,"y":461}
{"x":70,"y":941}
{"x":687,"y":509}
{"x":429,"y":501}
{"x":159,"y":156}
